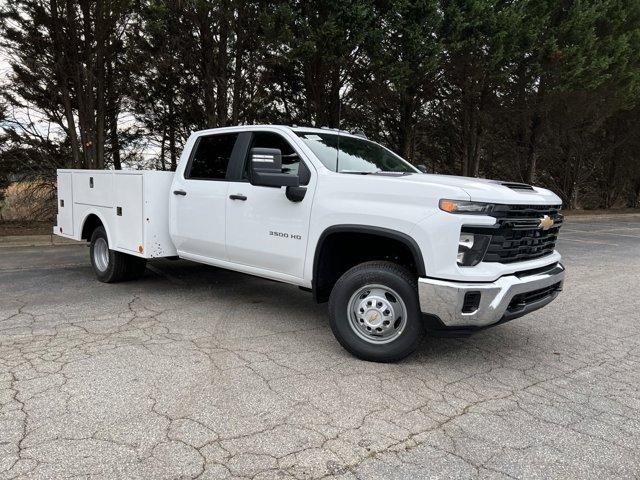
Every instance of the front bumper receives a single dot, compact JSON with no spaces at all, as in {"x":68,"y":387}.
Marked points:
{"x":477,"y":305}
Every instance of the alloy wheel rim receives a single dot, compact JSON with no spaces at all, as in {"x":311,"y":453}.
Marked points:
{"x":377,"y":314}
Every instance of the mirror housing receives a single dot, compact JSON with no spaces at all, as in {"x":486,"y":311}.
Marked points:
{"x":266,"y":169}
{"x":297,"y":194}
{"x":422,"y":168}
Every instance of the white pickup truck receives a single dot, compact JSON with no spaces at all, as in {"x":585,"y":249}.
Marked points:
{"x":391,"y":248}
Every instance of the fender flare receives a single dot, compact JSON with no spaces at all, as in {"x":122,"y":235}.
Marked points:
{"x":403,"y":238}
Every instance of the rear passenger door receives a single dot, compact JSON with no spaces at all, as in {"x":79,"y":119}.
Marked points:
{"x":199,"y":198}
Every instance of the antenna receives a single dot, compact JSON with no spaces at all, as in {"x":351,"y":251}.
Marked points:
{"x":338,"y":146}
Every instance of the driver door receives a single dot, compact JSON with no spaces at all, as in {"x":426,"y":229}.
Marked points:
{"x":265,"y":229}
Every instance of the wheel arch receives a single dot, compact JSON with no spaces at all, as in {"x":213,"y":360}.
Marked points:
{"x":395,"y":236}
{"x":92,"y":220}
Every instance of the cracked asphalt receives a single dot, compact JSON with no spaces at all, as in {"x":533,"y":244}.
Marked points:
{"x":196,"y":372}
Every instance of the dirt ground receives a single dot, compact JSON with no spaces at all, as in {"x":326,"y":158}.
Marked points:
{"x":21,"y":227}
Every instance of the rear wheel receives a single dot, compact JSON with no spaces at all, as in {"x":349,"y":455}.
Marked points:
{"x":374,"y":312}
{"x":111,"y":266}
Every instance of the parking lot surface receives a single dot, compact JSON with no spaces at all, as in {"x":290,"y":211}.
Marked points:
{"x":197,"y":372}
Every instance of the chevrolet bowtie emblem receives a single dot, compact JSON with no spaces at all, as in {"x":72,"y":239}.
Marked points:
{"x":546,"y":223}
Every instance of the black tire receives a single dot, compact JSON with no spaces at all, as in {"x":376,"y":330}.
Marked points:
{"x":116,"y":266}
{"x":389,"y":275}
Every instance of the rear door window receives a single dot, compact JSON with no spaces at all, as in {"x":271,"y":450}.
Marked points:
{"x":210,"y":160}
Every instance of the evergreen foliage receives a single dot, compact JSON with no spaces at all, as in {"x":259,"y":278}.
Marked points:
{"x":542,"y":91}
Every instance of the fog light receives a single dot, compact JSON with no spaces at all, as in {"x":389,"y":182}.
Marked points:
{"x":471,"y":248}
{"x":471,"y":302}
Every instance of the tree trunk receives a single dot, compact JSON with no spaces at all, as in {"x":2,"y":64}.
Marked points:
{"x":163,"y":165}
{"x":532,"y":159}
{"x":407,"y":122}
{"x":534,"y":133}
{"x":112,"y":107}
{"x":87,"y":102}
{"x":62,"y":67}
{"x":333,"y":101}
{"x":73,"y":54}
{"x":467,"y":140}
{"x":222,"y":76}
{"x":172,"y":139}
{"x":207,"y":67}
{"x":479,"y":114}
{"x":100,"y":26}
{"x":237,"y":85}
{"x":316,"y":86}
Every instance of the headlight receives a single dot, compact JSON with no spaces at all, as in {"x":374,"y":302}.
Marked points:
{"x":461,"y":206}
{"x":471,"y":248}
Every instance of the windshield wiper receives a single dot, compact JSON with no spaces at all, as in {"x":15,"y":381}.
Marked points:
{"x":376,"y":172}
{"x":385,"y":173}
{"x":358,"y":172}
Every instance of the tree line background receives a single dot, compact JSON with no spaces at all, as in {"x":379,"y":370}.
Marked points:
{"x":540,"y":91}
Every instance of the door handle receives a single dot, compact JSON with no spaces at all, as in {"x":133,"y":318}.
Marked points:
{"x":238,"y":197}
{"x":179,"y":192}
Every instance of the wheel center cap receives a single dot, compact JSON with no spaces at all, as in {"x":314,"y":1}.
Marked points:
{"x":373,"y":317}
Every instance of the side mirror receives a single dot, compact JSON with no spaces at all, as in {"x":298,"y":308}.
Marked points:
{"x":266,"y":169}
{"x":422,"y":168}
{"x":297,"y":194}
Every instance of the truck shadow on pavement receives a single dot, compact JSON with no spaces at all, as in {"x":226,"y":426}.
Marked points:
{"x":276,"y":304}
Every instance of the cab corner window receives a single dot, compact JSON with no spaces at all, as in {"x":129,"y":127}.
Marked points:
{"x":211,"y":157}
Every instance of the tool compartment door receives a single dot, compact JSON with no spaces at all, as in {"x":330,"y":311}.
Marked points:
{"x":93,"y":187}
{"x":65,"y":203}
{"x":127,"y":211}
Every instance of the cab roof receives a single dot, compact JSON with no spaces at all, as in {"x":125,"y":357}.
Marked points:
{"x":294,"y":128}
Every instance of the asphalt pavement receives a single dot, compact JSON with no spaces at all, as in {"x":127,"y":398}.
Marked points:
{"x":197,"y":372}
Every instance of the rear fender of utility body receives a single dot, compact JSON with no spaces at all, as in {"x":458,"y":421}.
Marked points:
{"x":86,"y":229}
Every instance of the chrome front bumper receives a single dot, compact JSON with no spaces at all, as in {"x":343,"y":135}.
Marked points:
{"x":445,"y":299}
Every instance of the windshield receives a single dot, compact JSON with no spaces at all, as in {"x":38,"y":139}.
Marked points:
{"x":355,"y":155}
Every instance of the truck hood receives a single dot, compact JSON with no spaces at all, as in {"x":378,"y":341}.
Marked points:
{"x":492,"y":191}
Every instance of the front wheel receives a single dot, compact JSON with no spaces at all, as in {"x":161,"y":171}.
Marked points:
{"x":375,"y":313}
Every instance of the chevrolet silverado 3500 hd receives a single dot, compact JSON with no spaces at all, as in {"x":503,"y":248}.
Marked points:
{"x":391,"y":248}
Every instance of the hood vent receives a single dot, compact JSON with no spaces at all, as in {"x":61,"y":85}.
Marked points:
{"x":517,"y":186}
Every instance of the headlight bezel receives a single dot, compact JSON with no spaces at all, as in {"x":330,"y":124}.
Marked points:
{"x":472,"y":245}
